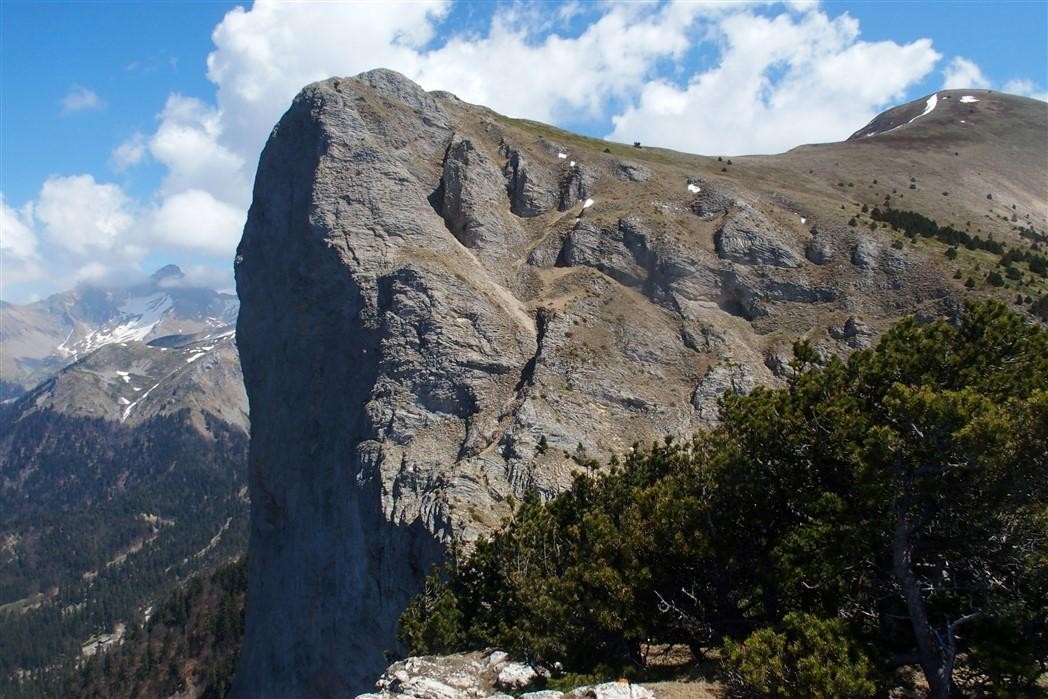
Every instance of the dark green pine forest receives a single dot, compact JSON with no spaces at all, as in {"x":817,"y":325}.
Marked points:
{"x":98,"y":521}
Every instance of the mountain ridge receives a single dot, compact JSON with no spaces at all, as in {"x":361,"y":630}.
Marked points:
{"x":40,"y":338}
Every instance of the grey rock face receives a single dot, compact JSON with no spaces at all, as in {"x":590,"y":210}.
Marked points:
{"x":576,"y":186}
{"x":866,"y":255}
{"x":819,"y":250}
{"x":749,"y":238}
{"x":710,"y":203}
{"x":720,"y":379}
{"x":779,"y":364}
{"x":531,"y":190}
{"x":854,"y":333}
{"x":472,"y":201}
{"x":632,"y":172}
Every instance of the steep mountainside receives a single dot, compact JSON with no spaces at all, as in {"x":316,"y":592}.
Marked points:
{"x":120,"y":475}
{"x":443,"y":308}
{"x":40,"y":338}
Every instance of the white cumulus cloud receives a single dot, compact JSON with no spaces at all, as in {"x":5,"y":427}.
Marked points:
{"x":265,"y":55}
{"x":81,"y":215}
{"x":779,"y":82}
{"x":963,"y":72}
{"x":19,"y":255}
{"x":195,"y":219}
{"x":188,"y":144}
{"x":1026,"y":88}
{"x":560,"y":76}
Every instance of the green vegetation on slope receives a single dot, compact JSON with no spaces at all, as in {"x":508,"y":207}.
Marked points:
{"x":887,"y":510}
{"x":914,"y":224}
{"x":192,"y":640}
{"x":97,"y":522}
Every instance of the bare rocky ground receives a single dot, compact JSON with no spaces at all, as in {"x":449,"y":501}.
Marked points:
{"x":493,"y":675}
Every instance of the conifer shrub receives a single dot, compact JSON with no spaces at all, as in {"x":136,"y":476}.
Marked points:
{"x":807,"y":657}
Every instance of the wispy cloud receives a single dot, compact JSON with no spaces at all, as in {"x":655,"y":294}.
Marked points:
{"x":1026,"y":88}
{"x":129,"y":153}
{"x":963,"y":72}
{"x":81,"y":99}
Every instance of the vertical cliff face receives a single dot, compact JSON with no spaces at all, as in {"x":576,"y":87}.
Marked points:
{"x":370,"y":349}
{"x":442,"y":307}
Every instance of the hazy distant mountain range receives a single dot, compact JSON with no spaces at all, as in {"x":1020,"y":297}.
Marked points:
{"x":38,"y":339}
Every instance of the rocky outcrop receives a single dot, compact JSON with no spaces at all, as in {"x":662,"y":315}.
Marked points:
{"x":720,"y":379}
{"x":632,"y":172}
{"x":424,"y":333}
{"x":819,"y":250}
{"x":866,"y":255}
{"x":710,"y":202}
{"x":748,"y":237}
{"x":531,"y":191}
{"x":576,"y":185}
{"x":853,"y":332}
{"x":488,"y":675}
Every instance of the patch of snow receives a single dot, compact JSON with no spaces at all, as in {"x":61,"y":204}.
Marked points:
{"x":562,"y":155}
{"x":968,"y":99}
{"x":123,"y":401}
{"x":694,"y":188}
{"x":138,"y":317}
{"x":62,"y":349}
{"x":572,"y":163}
{"x":588,"y":204}
{"x":963,"y":121}
{"x":125,"y":376}
{"x":131,"y":406}
{"x":195,"y":356}
{"x":929,"y":106}
{"x":803,"y":220}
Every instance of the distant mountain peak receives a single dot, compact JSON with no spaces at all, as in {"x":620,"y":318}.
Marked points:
{"x":167,"y":272}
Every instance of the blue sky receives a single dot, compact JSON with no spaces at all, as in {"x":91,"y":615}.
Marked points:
{"x":122,"y":149}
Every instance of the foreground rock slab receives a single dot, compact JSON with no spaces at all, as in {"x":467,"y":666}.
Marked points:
{"x":487,"y":675}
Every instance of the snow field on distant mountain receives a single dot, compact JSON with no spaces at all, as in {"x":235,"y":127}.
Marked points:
{"x":138,"y":318}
